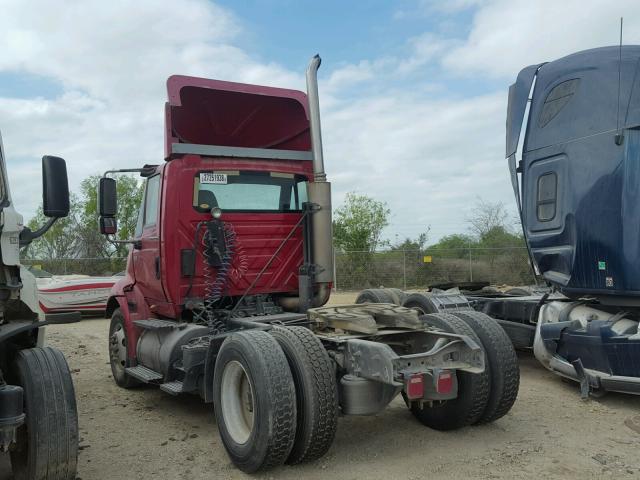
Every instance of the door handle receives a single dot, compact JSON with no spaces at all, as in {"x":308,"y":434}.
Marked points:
{"x":157,"y":264}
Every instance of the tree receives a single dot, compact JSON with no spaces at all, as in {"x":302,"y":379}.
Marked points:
{"x":453,"y":246}
{"x":61,"y":240}
{"x":486,"y":216}
{"x":129,"y":192}
{"x":359,"y":223}
{"x":78,"y":234}
{"x":417,"y":244}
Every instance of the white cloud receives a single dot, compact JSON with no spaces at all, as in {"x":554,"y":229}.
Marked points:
{"x":390,"y":129}
{"x":424,"y":49}
{"x":112,"y":60}
{"x":426,"y":158}
{"x":426,"y":8}
{"x":351,"y":74}
{"x":507,"y":35}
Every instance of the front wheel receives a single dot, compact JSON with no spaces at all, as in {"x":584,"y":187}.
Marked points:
{"x":47,"y":443}
{"x":118,"y":356}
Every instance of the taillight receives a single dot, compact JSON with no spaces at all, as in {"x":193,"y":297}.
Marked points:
{"x":415,"y":386}
{"x":444,"y":383}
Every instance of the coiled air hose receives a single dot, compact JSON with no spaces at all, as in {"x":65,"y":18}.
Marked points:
{"x":213,"y":287}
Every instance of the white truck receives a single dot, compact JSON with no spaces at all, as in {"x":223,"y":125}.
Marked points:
{"x":38,"y":417}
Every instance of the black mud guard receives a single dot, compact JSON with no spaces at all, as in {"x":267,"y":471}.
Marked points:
{"x":210,"y":364}
{"x":14,"y":328}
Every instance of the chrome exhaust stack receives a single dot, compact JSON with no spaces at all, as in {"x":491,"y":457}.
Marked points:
{"x":320,"y":190}
{"x":314,"y":119}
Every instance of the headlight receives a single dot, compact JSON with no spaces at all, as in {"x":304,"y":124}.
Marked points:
{"x":216,"y":212}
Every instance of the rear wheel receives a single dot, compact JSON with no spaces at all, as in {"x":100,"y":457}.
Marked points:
{"x":420,"y":302}
{"x":375,"y":295}
{"x":255,"y":401}
{"x":316,"y":392}
{"x":399,"y":296}
{"x":47,"y":443}
{"x":501,"y":362}
{"x":473,"y":388}
{"x":118,"y":356}
{"x":519,"y":291}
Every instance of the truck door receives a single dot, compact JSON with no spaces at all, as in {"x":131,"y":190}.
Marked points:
{"x":146,"y":252}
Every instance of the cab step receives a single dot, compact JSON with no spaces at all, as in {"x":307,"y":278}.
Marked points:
{"x":173,"y":388}
{"x":156,"y":324}
{"x":144,"y":374}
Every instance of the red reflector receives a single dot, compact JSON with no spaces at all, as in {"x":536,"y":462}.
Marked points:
{"x":415,"y":386}
{"x":445,"y":382}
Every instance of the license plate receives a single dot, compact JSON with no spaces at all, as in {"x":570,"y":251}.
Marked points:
{"x":212,"y":177}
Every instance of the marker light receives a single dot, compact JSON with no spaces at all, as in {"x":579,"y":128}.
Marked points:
{"x":415,"y":386}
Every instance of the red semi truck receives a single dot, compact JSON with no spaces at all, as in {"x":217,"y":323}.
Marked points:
{"x":228,"y":274}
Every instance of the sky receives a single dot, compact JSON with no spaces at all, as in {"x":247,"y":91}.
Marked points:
{"x":413,"y":92}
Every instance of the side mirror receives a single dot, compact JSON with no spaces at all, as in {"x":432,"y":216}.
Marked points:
{"x":55,"y":187}
{"x":107,"y":206}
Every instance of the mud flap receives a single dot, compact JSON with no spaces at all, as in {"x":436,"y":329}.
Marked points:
{"x":585,"y":388}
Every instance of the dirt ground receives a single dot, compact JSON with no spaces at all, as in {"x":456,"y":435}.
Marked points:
{"x":146,"y":434}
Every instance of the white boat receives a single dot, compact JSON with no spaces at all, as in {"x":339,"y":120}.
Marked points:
{"x":78,"y":293}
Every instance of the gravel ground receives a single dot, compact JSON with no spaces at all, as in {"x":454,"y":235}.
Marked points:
{"x":146,"y":434}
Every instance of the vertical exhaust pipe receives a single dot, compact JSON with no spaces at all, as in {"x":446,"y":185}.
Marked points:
{"x":319,"y":190}
{"x":314,"y":119}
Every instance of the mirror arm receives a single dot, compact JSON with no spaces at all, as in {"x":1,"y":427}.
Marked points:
{"x":135,"y":243}
{"x":27,"y":236}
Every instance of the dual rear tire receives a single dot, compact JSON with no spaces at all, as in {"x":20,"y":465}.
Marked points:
{"x":275,"y":397}
{"x":382,"y":295}
{"x":482,"y":397}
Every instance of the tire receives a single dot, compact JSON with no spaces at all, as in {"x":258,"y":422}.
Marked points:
{"x":473,"y":388}
{"x":490,"y":291}
{"x":260,"y":435}
{"x":316,"y":392}
{"x":47,"y":443}
{"x":420,"y":302}
{"x":118,"y":357}
{"x":501,"y":361}
{"x":398,"y":295}
{"x":375,"y":295}
{"x":519,"y":292}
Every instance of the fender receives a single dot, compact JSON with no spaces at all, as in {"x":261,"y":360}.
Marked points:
{"x":126,"y":296}
{"x":18,"y":327}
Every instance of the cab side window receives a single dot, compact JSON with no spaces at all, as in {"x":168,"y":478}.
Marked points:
{"x":151,"y":200}
{"x":547,"y":196}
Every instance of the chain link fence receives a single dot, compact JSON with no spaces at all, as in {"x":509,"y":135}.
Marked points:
{"x":97,"y":267}
{"x":415,"y":269}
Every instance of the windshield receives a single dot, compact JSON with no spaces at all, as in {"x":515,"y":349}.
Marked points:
{"x":245,"y":191}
